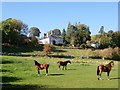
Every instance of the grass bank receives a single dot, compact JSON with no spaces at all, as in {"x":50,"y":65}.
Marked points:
{"x":20,"y":72}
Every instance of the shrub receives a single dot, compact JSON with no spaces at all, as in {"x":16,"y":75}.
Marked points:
{"x":83,"y":46}
{"x":110,"y":53}
{"x":116,"y":55}
{"x":97,"y":54}
{"x":48,"y":49}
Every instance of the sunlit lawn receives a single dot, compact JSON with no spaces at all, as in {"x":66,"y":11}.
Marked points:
{"x":20,"y":72}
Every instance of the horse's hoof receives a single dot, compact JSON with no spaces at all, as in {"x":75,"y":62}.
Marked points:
{"x":38,"y":75}
{"x":98,"y":79}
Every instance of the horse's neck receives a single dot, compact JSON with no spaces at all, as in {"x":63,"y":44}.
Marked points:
{"x":109,"y":64}
{"x":67,"y":62}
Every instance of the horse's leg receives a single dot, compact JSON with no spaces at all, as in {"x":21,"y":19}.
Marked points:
{"x":100,"y":74}
{"x":38,"y":72}
{"x":98,"y":71}
{"x":108,"y":75}
{"x":63,"y":68}
{"x":59,"y":67}
{"x":46,"y":71}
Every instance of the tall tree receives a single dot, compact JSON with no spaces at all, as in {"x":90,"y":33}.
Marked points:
{"x":68,"y":33}
{"x":78,"y":34}
{"x":64,"y":37}
{"x":101,"y":30}
{"x":34,"y":31}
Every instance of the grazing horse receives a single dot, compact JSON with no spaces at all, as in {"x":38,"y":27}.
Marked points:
{"x":64,"y":64}
{"x":41,"y":66}
{"x":104,"y":68}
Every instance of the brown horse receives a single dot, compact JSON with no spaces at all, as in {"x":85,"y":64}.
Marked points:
{"x":41,"y":66}
{"x":104,"y":68}
{"x":64,"y":64}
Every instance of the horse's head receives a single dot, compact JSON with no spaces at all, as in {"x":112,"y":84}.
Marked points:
{"x":112,"y":64}
{"x":36,"y":63}
{"x":69,"y":61}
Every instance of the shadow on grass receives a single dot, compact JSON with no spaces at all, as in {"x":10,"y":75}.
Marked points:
{"x":21,"y":87}
{"x":20,"y":49}
{"x":59,"y":51}
{"x":6,"y":62}
{"x":16,"y":86}
{"x":115,"y":78}
{"x":5,"y":71}
{"x":9,"y":79}
{"x":71,"y":69}
{"x":56,"y":74}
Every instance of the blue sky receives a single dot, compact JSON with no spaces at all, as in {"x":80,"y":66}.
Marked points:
{"x":51,"y":15}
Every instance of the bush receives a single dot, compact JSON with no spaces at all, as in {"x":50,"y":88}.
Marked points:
{"x":97,"y":54}
{"x":110,"y":53}
{"x":116,"y":55}
{"x":83,"y":46}
{"x":48,"y":49}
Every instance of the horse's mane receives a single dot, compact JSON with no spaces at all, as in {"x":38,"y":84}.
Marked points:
{"x":68,"y":61}
{"x":110,"y":63}
{"x":36,"y":63}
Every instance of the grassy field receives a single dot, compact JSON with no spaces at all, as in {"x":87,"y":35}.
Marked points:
{"x":20,"y":72}
{"x":71,"y":52}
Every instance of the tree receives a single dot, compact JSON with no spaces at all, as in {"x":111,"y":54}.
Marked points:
{"x":116,"y":39}
{"x":55,"y":32}
{"x":77,"y":34}
{"x":11,"y":29}
{"x":109,"y":34}
{"x":68,"y":33}
{"x":34,"y":40}
{"x":82,"y":34}
{"x":64,"y":37}
{"x":104,"y":42}
{"x":34,"y":31}
{"x":101,"y":30}
{"x":47,"y":49}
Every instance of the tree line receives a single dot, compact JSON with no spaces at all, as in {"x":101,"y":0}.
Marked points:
{"x":14,"y":33}
{"x":108,"y":39}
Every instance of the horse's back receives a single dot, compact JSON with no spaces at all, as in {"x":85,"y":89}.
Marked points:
{"x":45,"y":66}
{"x":104,"y":68}
{"x":101,"y":67}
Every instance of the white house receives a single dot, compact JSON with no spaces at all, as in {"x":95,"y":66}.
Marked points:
{"x":95,"y":45}
{"x":51,"y":39}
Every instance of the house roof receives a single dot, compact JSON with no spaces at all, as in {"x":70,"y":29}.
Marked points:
{"x":53,"y":36}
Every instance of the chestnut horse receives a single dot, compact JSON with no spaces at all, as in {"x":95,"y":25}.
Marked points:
{"x":104,"y":68}
{"x":64,"y":64}
{"x":41,"y":66}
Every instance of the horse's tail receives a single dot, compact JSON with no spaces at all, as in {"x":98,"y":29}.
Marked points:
{"x":98,"y":70}
{"x":58,"y":62}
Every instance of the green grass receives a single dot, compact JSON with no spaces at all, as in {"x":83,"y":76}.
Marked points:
{"x":72,"y":52}
{"x":20,"y":72}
